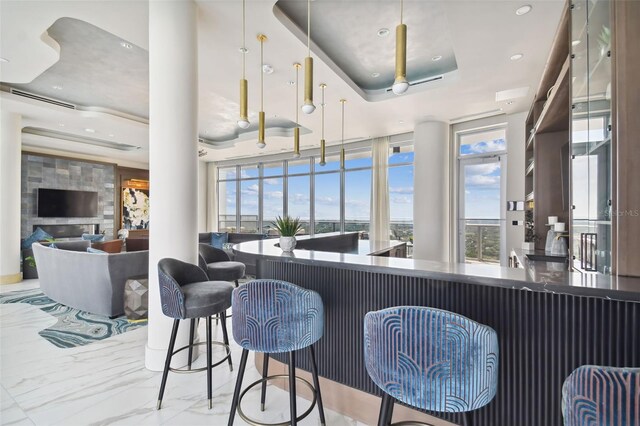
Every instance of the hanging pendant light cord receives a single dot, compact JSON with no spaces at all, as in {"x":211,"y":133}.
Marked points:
{"x":297,"y":90}
{"x":342,"y":143}
{"x":261,"y":76}
{"x":244,"y":42}
{"x":401,"y":11}
{"x":322,"y":113}
{"x":308,"y":27}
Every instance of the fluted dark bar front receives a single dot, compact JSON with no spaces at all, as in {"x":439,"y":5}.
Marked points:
{"x":543,"y":336}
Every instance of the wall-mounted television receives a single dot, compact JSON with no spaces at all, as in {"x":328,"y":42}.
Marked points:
{"x":66,"y":203}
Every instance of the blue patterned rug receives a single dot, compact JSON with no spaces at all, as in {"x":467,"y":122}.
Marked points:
{"x":74,"y":327}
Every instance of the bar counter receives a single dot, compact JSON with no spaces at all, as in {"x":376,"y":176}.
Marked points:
{"x":548,"y":322}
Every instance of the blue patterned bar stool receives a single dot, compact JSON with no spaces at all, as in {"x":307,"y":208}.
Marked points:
{"x":594,"y":395}
{"x":430,"y":359}
{"x":187,"y":293}
{"x":272,"y":316}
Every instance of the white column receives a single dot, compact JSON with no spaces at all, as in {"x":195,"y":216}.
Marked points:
{"x":431,"y":192}
{"x":10,"y":165}
{"x":173,"y":158}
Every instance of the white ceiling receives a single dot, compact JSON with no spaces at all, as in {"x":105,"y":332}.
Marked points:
{"x":483,"y":35}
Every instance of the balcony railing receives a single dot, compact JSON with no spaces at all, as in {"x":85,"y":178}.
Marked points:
{"x":482,"y":241}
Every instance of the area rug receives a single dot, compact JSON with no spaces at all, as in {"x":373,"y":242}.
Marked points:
{"x":74,"y":327}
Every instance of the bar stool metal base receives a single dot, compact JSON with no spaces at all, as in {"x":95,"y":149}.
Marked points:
{"x":254,"y":422}
{"x":195,"y":370}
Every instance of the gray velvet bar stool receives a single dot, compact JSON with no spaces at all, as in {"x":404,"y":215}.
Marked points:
{"x":187,"y":293}
{"x":218,"y":266}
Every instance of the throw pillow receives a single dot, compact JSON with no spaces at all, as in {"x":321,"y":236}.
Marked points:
{"x":53,"y":245}
{"x":228,"y":247}
{"x":94,"y":238}
{"x":219,"y":239}
{"x":96,"y":251}
{"x":38,"y":235}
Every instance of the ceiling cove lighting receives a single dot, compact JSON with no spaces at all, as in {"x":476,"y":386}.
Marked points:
{"x":342,"y":101}
{"x":400,"y":85}
{"x":296,"y":130}
{"x":261,"y":143}
{"x":323,"y":144}
{"x":243,"y":122}
{"x":523,"y":10}
{"x":308,"y":107}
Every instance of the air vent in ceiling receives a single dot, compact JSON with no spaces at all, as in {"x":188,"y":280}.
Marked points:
{"x":42,"y":99}
{"x":423,"y":81}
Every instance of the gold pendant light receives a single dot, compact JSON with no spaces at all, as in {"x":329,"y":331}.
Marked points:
{"x":261,"y":143}
{"x":308,"y":107}
{"x":323,"y":144}
{"x":296,"y":130}
{"x":243,"y":122}
{"x":400,"y":84}
{"x":342,"y":101}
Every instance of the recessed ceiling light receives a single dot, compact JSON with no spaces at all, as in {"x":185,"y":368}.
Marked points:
{"x":267,"y":69}
{"x":4,"y":60}
{"x":375,"y":74}
{"x":61,"y":124}
{"x":401,"y":121}
{"x":111,"y":135}
{"x":291,"y":83}
{"x":383,"y":32}
{"x":523,"y":10}
{"x":88,"y":130}
{"x":575,"y":42}
{"x":126,"y":45}
{"x":516,"y":57}
{"x":436,"y":58}
{"x":510,"y":102}
{"x":57,"y":86}
{"x":243,"y":50}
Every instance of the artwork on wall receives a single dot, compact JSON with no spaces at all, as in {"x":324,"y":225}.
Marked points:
{"x":135,"y":208}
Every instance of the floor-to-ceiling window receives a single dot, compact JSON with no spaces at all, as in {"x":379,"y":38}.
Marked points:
{"x":481,"y":224}
{"x":325,"y":198}
{"x":401,"y":192}
{"x":227,"y":198}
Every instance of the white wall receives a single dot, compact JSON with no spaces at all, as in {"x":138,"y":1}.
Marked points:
{"x":431,"y":192}
{"x":515,"y":169}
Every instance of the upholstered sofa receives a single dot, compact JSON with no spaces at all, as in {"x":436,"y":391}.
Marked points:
{"x":236,"y":238}
{"x":92,"y":282}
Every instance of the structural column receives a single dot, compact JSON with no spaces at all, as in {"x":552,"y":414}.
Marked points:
{"x":10,"y":164}
{"x":431,"y":191}
{"x":173,"y":158}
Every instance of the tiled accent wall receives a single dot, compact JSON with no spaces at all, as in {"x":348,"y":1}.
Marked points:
{"x":39,"y":171}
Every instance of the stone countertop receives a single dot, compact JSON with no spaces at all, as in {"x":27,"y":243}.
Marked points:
{"x":535,"y":278}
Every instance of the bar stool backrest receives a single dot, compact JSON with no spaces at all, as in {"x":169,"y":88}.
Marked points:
{"x":173,"y":274}
{"x":431,"y":359}
{"x":276,"y":316}
{"x":594,"y":395}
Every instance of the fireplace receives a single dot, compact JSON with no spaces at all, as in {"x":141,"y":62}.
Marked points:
{"x":69,"y":231}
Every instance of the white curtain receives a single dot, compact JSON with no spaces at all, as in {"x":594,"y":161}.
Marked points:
{"x":380,"y":190}
{"x":212,"y":197}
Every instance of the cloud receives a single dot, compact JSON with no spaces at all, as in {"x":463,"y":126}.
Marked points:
{"x":483,"y":181}
{"x":273,"y":195}
{"x":401,"y":190}
{"x":325,"y":200}
{"x":273,"y":182}
{"x":402,"y":200}
{"x":484,"y":146}
{"x":251,"y":190}
{"x":299,"y":198}
{"x":482,"y":169}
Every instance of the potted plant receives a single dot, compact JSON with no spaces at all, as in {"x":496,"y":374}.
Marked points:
{"x":288,"y":227}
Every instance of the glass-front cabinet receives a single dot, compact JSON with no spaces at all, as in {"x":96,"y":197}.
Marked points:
{"x":591,"y":164}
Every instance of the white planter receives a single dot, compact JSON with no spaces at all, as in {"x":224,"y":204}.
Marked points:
{"x":287,"y":243}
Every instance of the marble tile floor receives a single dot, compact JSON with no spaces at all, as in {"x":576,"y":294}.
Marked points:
{"x":106,"y":383}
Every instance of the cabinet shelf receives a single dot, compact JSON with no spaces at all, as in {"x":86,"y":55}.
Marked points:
{"x":555,"y":113}
{"x":529,"y":196}
{"x":529,"y":170}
